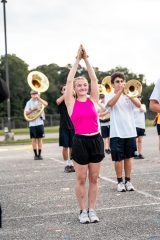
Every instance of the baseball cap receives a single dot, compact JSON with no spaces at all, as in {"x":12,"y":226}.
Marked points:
{"x":33,"y":92}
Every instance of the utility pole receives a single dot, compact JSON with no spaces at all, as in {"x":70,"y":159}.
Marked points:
{"x":8,"y":134}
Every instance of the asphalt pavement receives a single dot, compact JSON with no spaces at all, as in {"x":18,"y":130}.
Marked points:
{"x":38,"y":200}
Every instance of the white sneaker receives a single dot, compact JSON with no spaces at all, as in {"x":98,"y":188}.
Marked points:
{"x":121,"y":187}
{"x":92,"y":216}
{"x":83,"y":217}
{"x":129,"y":186}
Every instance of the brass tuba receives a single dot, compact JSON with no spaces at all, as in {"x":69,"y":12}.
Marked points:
{"x":38,"y":82}
{"x":133,"y":88}
{"x":106,"y":82}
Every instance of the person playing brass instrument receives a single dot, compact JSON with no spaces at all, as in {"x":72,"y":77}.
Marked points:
{"x":154,"y":105}
{"x":122,"y":130}
{"x":36,"y":126}
{"x":104,"y":119}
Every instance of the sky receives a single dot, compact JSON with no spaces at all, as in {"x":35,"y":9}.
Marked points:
{"x":115,"y":33}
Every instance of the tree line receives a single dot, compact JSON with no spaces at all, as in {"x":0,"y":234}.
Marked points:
{"x":57,"y":75}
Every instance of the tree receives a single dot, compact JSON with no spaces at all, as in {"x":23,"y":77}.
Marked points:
{"x":18,"y":71}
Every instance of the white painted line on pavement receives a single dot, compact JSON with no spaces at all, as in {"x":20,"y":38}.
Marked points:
{"x":71,"y":212}
{"x":56,"y":160}
{"x":141,"y":192}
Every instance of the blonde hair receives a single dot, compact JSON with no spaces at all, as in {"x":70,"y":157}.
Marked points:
{"x":78,"y":78}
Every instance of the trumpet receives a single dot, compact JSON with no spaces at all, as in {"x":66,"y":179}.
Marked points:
{"x":106,"y":82}
{"x":133,"y":88}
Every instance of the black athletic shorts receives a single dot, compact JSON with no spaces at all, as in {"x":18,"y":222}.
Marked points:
{"x":87,"y":149}
{"x":140,"y":132}
{"x":105,"y":131}
{"x":122,"y":148}
{"x":66,"y":137}
{"x":158,"y":129}
{"x":37,"y":131}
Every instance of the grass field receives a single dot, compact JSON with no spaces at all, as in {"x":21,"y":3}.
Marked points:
{"x":55,"y":129}
{"x":26,"y":130}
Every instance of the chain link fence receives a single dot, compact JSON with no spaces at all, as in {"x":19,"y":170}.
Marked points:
{"x":19,"y":122}
{"x":50,"y":121}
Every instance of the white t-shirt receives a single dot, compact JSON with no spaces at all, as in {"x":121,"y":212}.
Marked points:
{"x":156,"y":92}
{"x":140,"y":116}
{"x":122,"y":123}
{"x":38,"y":121}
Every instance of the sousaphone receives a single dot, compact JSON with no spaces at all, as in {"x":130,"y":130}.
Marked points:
{"x":38,"y":82}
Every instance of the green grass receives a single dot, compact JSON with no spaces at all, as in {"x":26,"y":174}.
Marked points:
{"x":26,"y":130}
{"x":149,"y":123}
{"x":27,"y":141}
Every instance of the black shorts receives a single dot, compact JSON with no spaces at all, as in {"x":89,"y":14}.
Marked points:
{"x":66,"y":137}
{"x":105,"y":131}
{"x":122,"y":148}
{"x":158,"y":129}
{"x":37,"y":131}
{"x":140,"y":132}
{"x":87,"y":149}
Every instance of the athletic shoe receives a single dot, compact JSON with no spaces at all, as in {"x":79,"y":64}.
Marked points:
{"x":92,"y":216}
{"x":121,"y":187}
{"x":141,"y":156}
{"x":108,"y":151}
{"x":129,"y":186}
{"x":36,"y":158}
{"x":40,"y":157}
{"x":72,"y":169}
{"x":67,"y":169}
{"x":83,"y":217}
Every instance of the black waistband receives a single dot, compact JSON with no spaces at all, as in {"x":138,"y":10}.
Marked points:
{"x":86,"y":136}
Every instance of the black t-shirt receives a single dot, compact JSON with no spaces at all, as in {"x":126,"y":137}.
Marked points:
{"x":65,"y":121}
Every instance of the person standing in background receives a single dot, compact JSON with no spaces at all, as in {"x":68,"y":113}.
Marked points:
{"x":36,"y":126}
{"x":139,"y":116}
{"x":122,"y":130}
{"x":104,"y":119}
{"x":66,"y":132}
{"x":155,"y":105}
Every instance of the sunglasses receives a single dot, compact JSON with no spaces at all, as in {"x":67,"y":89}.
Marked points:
{"x":119,"y":81}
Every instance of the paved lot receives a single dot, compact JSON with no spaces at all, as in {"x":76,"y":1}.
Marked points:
{"x":38,"y":199}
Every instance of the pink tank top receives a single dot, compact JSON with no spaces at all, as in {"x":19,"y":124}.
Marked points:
{"x":84,"y":117}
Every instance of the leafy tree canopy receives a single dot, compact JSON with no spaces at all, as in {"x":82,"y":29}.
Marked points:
{"x":57,"y":75}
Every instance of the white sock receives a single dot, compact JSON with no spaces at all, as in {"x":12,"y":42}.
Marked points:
{"x":66,"y":162}
{"x":136,"y":152}
{"x":70,"y":162}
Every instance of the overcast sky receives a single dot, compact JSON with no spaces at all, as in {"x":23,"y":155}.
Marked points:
{"x":115,"y":33}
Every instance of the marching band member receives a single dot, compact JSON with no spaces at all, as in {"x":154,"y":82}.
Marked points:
{"x":139,"y":117}
{"x":66,"y":132}
{"x":104,"y":119}
{"x":36,"y":126}
{"x":88,"y":147}
{"x":155,"y":105}
{"x":122,"y":130}
{"x":155,"y":98}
